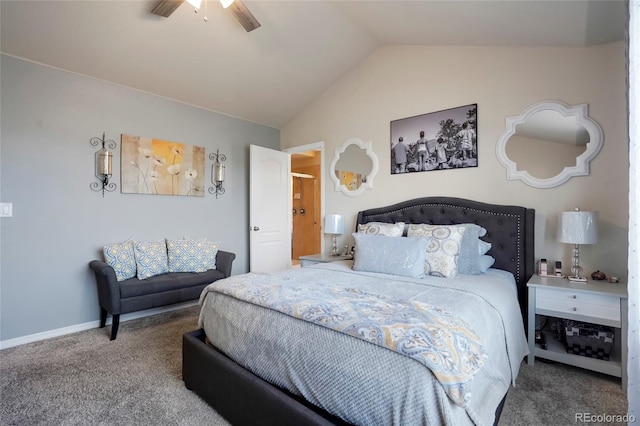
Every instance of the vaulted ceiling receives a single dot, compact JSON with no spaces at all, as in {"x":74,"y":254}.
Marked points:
{"x":270,"y":74}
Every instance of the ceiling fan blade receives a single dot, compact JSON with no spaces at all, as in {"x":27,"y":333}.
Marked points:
{"x":166,"y":7}
{"x":242,"y":14}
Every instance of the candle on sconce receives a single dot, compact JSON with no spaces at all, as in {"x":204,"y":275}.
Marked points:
{"x":219,"y":172}
{"x":105,"y":162}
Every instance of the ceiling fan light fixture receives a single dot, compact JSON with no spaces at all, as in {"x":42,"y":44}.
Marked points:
{"x":226,"y":3}
{"x":195,"y":3}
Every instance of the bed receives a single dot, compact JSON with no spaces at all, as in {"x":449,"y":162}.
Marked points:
{"x":318,"y":380}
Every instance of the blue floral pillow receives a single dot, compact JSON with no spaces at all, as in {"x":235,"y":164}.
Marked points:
{"x":121,"y":258}
{"x":191,"y":255}
{"x":151,"y":258}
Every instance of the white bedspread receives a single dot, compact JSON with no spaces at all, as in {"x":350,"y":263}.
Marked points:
{"x":363,"y":383}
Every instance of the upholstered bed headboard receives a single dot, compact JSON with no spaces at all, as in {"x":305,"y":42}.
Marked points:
{"x":510,"y":229}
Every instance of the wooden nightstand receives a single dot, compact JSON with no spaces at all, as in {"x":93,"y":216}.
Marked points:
{"x":312,"y":259}
{"x":596,"y":302}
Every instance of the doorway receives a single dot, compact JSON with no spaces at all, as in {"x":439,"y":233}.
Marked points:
{"x":307,"y":200}
{"x":305,"y":239}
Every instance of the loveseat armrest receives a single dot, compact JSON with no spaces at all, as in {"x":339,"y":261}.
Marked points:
{"x":108,"y":286}
{"x":224,"y":262}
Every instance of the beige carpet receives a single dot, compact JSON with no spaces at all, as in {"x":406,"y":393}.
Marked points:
{"x":85,"y":379}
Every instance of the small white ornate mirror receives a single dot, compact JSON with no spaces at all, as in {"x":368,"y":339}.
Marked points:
{"x":549,"y":143}
{"x":353,"y":167}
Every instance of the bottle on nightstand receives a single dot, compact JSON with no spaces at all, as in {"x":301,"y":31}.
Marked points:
{"x":558,"y":269}
{"x":542,"y":267}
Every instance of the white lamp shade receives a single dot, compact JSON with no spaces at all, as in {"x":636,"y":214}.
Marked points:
{"x":578,"y":227}
{"x":195,"y":3}
{"x":334,"y":224}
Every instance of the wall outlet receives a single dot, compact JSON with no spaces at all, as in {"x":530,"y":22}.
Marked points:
{"x":6,"y":209}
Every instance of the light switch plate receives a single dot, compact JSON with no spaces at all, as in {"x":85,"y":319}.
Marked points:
{"x":6,"y":209}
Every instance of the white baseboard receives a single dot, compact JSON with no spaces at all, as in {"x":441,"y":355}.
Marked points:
{"x":9,"y":343}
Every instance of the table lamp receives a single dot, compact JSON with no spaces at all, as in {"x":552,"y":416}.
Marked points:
{"x":334,"y":224}
{"x":578,"y":227}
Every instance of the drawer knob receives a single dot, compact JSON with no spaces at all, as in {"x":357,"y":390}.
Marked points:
{"x":574,"y":309}
{"x":573,"y":296}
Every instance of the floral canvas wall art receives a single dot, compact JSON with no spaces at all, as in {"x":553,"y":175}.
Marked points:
{"x":158,"y":167}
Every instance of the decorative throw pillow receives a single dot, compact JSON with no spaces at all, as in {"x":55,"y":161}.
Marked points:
{"x":470,"y":241}
{"x":483,"y":247}
{"x":469,"y":254}
{"x":468,"y":261}
{"x":209,"y":254}
{"x":151,"y":258}
{"x":444,"y":248}
{"x":121,"y":258}
{"x":381,"y":228}
{"x":485,"y":263}
{"x":390,"y":255}
{"x":191,"y":255}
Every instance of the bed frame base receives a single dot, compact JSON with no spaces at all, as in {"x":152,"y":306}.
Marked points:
{"x":243,"y":398}
{"x":239,"y":396}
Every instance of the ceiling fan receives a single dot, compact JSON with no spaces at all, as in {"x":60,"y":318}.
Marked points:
{"x":240,"y":11}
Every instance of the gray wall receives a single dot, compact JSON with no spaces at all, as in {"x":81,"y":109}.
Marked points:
{"x":48,"y":117}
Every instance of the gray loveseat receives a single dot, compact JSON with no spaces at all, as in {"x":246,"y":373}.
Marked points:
{"x":130,"y":295}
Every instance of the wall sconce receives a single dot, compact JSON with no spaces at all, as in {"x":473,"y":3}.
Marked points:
{"x":103,"y":165}
{"x":217,"y":173}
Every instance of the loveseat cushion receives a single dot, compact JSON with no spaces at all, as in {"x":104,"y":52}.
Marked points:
{"x":166,"y":282}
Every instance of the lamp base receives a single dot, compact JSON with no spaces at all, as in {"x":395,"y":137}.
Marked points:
{"x":335,"y":252}
{"x":577,"y":279}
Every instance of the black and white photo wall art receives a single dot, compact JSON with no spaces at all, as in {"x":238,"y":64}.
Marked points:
{"x":438,"y":140}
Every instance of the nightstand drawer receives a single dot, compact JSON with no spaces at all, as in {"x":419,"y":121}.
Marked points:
{"x":579,"y":297}
{"x":590,"y":305}
{"x":584,"y":309}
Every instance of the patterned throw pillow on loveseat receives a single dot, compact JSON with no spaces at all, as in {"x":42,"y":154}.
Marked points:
{"x":121,"y":258}
{"x":191,"y":255}
{"x":151,"y":258}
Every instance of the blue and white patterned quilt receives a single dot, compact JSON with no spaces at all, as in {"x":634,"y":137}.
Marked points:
{"x":436,"y":338}
{"x":413,"y":323}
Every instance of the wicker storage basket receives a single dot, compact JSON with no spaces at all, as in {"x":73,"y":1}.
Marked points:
{"x":590,"y":340}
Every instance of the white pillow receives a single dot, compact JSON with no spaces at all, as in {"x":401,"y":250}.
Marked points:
{"x":381,"y":228}
{"x":391,"y":255}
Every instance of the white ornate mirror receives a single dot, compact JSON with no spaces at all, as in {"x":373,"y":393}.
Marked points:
{"x":353,"y":167}
{"x":549,"y":143}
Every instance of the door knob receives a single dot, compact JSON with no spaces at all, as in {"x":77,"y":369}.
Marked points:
{"x":255,"y":228}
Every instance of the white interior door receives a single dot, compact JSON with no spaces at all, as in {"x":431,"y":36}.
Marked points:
{"x":270,"y":210}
